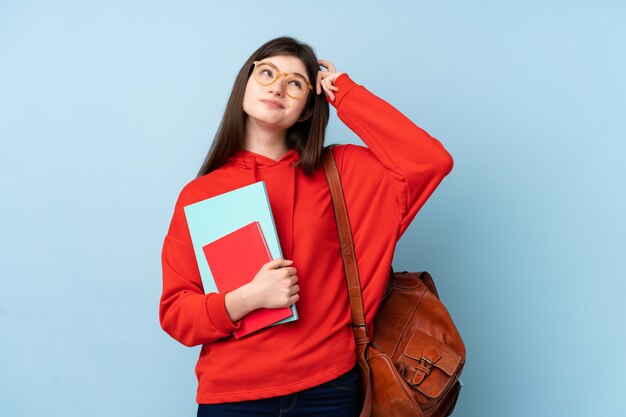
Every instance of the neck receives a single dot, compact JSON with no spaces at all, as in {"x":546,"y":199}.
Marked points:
{"x":265,"y":141}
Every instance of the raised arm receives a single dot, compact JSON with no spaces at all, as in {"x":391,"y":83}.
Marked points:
{"x":415,"y":161}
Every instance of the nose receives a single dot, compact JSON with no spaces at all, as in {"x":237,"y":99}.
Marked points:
{"x":278,"y":86}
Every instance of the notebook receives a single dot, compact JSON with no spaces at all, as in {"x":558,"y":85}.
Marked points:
{"x":234,"y":260}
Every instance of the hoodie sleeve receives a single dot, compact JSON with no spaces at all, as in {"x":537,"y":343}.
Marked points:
{"x":415,"y":161}
{"x":186,"y":313}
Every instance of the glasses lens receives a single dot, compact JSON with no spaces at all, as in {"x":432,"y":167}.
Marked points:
{"x":296,"y":86}
{"x":265,"y":74}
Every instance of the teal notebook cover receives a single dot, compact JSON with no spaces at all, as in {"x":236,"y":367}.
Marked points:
{"x":210,"y":219}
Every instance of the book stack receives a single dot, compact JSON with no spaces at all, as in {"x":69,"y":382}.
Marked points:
{"x":233,"y":236}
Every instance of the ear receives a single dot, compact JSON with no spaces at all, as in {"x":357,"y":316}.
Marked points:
{"x":306,"y":114}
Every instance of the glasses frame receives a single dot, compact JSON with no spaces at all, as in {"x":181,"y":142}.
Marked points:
{"x":279,"y":73}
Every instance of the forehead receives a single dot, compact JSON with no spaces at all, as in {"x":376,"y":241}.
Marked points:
{"x":287,"y":63}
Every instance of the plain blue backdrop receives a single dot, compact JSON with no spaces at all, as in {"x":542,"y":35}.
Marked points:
{"x":107,"y":109}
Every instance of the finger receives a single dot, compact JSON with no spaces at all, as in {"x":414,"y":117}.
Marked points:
{"x":290,"y":271}
{"x":327,"y":64}
{"x":294,"y":290}
{"x":327,"y":89}
{"x":330,"y":81}
{"x":321,"y":76}
{"x":318,"y":82}
{"x":325,"y":83}
{"x":276,"y":263}
{"x":323,"y":86}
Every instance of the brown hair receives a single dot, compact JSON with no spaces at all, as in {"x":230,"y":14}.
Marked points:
{"x":306,"y":137}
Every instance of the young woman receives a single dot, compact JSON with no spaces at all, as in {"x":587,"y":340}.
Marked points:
{"x":273,"y":131}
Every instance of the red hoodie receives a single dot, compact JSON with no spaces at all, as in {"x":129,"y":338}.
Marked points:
{"x":385,"y":184}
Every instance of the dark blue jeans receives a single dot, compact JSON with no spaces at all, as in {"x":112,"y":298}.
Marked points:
{"x":338,"y":398}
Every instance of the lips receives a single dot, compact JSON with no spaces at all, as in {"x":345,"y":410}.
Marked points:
{"x":273,"y":104}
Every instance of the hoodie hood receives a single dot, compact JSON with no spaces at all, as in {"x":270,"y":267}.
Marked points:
{"x":253,"y":161}
{"x":281,"y":179}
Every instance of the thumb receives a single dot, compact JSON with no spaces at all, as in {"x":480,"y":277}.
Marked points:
{"x":276,"y":263}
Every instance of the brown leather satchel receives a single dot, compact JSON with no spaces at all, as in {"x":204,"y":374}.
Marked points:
{"x":411,"y":366}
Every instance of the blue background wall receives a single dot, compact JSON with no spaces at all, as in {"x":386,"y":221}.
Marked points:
{"x":107,"y":109}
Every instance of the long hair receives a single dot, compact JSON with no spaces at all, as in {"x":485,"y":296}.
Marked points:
{"x":306,"y":137}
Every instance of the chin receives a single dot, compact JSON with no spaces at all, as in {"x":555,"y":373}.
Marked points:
{"x":273,"y":121}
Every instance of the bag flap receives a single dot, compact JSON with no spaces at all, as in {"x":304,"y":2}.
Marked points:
{"x":438,"y":353}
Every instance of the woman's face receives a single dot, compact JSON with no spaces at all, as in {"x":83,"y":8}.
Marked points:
{"x":269,"y":105}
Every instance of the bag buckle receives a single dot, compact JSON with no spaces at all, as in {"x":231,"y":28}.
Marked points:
{"x":428,"y":361}
{"x":356,"y":326}
{"x":424,"y":365}
{"x":360,"y":340}
{"x":422,"y":370}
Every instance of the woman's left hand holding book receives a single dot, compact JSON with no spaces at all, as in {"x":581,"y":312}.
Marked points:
{"x":274,"y":286}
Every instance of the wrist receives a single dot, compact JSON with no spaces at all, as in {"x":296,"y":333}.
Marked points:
{"x":247,"y":298}
{"x":239,"y":302}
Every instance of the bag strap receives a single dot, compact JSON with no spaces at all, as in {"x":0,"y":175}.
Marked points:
{"x":359,"y":327}
{"x":347,"y":248}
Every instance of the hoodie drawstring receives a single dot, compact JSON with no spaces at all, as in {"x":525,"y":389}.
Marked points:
{"x":293,"y":210}
{"x":254,"y":169}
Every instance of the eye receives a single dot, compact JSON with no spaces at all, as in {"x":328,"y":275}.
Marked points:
{"x":296,"y":83}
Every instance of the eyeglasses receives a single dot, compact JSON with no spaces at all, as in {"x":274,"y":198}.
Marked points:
{"x":266,"y":73}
